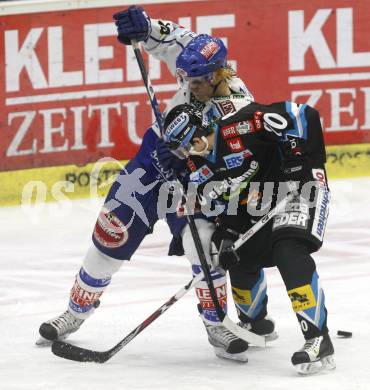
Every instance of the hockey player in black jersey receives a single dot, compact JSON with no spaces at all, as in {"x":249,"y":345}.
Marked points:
{"x":241,"y":167}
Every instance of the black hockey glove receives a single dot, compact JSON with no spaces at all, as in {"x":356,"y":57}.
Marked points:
{"x":224,"y":240}
{"x":132,"y":23}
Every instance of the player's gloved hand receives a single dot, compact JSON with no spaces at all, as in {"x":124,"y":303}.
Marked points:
{"x":226,"y":258}
{"x":164,"y":155}
{"x":132,"y":23}
{"x":168,"y":161}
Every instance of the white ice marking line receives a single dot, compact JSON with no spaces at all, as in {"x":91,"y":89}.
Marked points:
{"x":322,"y":78}
{"x":54,"y":97}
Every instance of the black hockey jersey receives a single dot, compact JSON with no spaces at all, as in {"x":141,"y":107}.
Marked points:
{"x":259,"y":144}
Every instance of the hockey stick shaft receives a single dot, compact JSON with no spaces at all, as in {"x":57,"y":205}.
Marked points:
{"x":73,"y":352}
{"x":205,"y":267}
{"x":263,"y":221}
{"x":240,"y":332}
{"x":190,"y":218}
{"x":148,"y":85}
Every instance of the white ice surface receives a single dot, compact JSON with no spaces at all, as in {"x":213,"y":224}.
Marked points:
{"x":41,"y":250}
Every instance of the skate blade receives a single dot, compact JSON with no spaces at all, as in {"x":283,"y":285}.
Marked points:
{"x":268,"y":337}
{"x":239,"y":357}
{"x":325,"y":364}
{"x":43,"y":342}
{"x":271,"y":336}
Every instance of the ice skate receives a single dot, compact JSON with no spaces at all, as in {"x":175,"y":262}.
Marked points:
{"x":316,"y":355}
{"x":226,"y":344}
{"x":264,"y":327}
{"x":58,"y":328}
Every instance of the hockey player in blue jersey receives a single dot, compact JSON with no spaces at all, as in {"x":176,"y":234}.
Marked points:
{"x":130,"y":209}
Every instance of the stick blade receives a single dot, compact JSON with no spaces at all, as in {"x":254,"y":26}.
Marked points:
{"x":78,"y":354}
{"x":250,"y":337}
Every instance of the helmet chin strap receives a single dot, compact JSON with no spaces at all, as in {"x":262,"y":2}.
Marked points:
{"x":204,"y":152}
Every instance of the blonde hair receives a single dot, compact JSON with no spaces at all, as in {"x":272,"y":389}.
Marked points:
{"x":224,"y":73}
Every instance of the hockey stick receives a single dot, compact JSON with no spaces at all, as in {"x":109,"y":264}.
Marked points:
{"x":73,"y":352}
{"x":226,"y":321}
{"x":263,"y":221}
{"x":148,"y":85}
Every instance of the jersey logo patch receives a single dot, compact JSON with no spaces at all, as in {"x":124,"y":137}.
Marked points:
{"x":235,"y":160}
{"x":165,"y":28}
{"x":321,"y":212}
{"x":235,"y":144}
{"x":229,"y":132}
{"x":201,"y":175}
{"x":245,"y":127}
{"x":296,"y":215}
{"x":257,"y":118}
{"x":191,"y":165}
{"x":236,"y":129}
{"x":319,"y":175}
{"x":227,"y":107}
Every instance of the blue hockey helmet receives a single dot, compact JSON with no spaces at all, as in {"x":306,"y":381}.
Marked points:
{"x":182,"y":124}
{"x":201,"y":57}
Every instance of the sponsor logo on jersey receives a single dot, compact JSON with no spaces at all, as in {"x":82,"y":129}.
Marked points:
{"x":226,"y":107}
{"x":294,"y":145}
{"x":109,"y":230}
{"x":235,"y":144}
{"x":233,"y":97}
{"x":319,"y":175}
{"x":321,"y":212}
{"x":296,"y":215}
{"x":302,"y":298}
{"x":165,"y":28}
{"x":244,"y":127}
{"x":235,"y":160}
{"x":229,"y":132}
{"x":234,"y":184}
{"x":191,"y":165}
{"x":257,"y":119}
{"x":236,"y":129}
{"x":209,"y":50}
{"x":201,"y":175}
